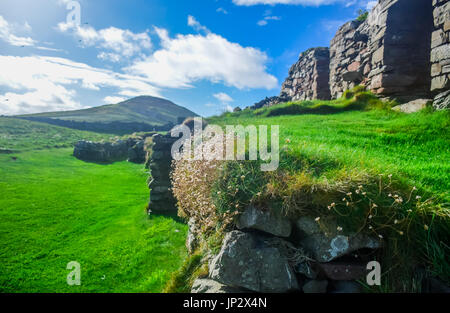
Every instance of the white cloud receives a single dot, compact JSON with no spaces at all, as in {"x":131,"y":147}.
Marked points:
{"x":119,"y":42}
{"x":196,"y":25}
{"x":113,"y":100}
{"x":223,"y":97}
{"x":40,"y":83}
{"x":222,"y":10}
{"x":262,"y":23}
{"x":6,"y":34}
{"x":292,"y":2}
{"x":265,"y":20}
{"x":188,"y":58}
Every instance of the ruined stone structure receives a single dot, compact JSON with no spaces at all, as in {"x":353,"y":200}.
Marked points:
{"x":308,"y":78}
{"x":399,"y":44}
{"x":131,"y":149}
{"x":160,"y":163}
{"x":349,"y":57}
{"x":396,"y":53}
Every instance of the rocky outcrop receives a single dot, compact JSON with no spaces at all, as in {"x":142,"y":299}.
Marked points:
{"x":308,"y":78}
{"x":160,"y":162}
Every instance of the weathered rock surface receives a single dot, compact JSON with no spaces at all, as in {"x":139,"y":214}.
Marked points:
{"x":442,"y":101}
{"x":246,"y":261}
{"x":413,"y":106}
{"x":326,"y":246}
{"x":266,"y":221}
{"x":211,"y":286}
{"x":315,"y":286}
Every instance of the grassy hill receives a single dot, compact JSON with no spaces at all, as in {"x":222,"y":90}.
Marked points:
{"x":55,"y":209}
{"x":143,"y":113}
{"x":20,"y":135}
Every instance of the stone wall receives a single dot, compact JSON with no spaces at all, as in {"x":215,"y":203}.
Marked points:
{"x":308,"y":78}
{"x":131,"y":149}
{"x":400,"y":47}
{"x":268,"y":252}
{"x":391,"y":53}
{"x":160,"y":163}
{"x":349,"y":57}
{"x":440,"y":54}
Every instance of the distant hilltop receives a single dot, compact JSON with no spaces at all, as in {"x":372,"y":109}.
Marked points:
{"x":138,"y":114}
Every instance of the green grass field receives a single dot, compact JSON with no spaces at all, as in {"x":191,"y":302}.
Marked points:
{"x":20,"y":135}
{"x":55,"y":209}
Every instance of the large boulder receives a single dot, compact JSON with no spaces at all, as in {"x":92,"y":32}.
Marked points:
{"x":413,"y":106}
{"x":266,"y":221}
{"x":247,"y":261}
{"x":325,"y":243}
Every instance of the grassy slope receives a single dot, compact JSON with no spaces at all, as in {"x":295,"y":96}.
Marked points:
{"x":55,"y":209}
{"x":415,"y":146}
{"x":327,"y":149}
{"x":18,"y":135}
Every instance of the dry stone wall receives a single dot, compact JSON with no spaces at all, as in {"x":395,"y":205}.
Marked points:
{"x":308,"y":78}
{"x":400,"y":47}
{"x":401,"y":51}
{"x":440,"y":54}
{"x":160,"y":163}
{"x":349,"y":57}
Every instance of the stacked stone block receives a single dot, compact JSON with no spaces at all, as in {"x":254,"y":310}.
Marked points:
{"x":440,"y":54}
{"x":400,"y":47}
{"x":160,"y":164}
{"x":349,"y":57}
{"x":308,"y":78}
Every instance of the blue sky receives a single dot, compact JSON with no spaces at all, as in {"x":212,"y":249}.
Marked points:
{"x":207,"y":55}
